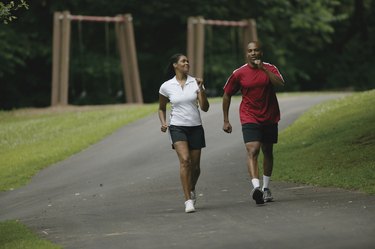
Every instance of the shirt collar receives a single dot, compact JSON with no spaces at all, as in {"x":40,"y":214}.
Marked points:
{"x":188,"y":80}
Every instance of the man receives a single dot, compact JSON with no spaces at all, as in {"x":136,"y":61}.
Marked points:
{"x":259,"y":114}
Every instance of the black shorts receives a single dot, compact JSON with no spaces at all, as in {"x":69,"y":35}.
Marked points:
{"x":194,"y":135}
{"x":259,"y":132}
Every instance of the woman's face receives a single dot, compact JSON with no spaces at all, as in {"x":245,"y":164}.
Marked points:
{"x":182,"y":65}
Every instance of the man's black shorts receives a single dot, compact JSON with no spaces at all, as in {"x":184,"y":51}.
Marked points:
{"x":194,"y":135}
{"x":265,"y":133}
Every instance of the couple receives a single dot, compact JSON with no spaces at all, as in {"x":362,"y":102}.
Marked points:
{"x":259,"y":116}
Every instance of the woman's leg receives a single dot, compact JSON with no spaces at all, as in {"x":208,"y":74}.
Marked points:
{"x":183,"y":154}
{"x":195,"y":156}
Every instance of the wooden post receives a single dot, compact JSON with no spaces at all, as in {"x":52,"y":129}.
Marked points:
{"x":249,"y":34}
{"x":65,"y":49}
{"x":60,"y":58}
{"x":132,"y":58}
{"x":56,"y":53}
{"x":199,"y":48}
{"x":123,"y":55}
{"x":191,"y":43}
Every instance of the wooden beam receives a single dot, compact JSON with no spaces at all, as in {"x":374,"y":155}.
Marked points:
{"x":56,"y":60}
{"x":65,"y":49}
{"x":132,"y":59}
{"x":191,"y":43}
{"x":123,"y":56}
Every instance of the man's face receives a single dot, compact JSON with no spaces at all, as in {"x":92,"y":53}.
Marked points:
{"x":254,"y":52}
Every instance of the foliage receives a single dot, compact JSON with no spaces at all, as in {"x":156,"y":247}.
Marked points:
{"x":7,"y":9}
{"x":315,"y":44}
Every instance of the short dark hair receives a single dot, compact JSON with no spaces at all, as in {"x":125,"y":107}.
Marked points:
{"x":258,"y":43}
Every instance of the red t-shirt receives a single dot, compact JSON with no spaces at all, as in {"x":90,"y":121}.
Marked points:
{"x":259,"y":103}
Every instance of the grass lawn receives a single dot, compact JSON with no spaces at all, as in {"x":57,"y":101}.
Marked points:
{"x":14,"y":235}
{"x":32,"y":139}
{"x":333,"y":145}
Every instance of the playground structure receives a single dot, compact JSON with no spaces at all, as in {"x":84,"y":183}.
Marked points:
{"x":127,"y":50}
{"x":196,"y":39}
{"x":61,"y":55}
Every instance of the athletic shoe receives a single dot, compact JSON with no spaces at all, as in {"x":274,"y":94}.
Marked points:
{"x":267,"y":196}
{"x":193,"y":196}
{"x":189,"y":206}
{"x":257,"y":195}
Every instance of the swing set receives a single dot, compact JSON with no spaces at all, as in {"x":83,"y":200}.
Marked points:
{"x":61,"y":50}
{"x":196,"y":39}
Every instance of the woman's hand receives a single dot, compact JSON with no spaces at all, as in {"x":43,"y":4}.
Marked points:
{"x":164,"y":128}
{"x":200,"y":83}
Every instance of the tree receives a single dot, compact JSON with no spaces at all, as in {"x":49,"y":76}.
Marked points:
{"x":6,"y":10}
{"x":316,"y":44}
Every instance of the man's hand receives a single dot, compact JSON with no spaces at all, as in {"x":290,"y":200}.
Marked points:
{"x":227,"y":127}
{"x":259,"y":64}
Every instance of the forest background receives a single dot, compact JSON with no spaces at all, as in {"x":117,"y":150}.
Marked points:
{"x":317,"y":45}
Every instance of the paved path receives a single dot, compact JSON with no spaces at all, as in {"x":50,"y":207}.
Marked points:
{"x":124,"y":192}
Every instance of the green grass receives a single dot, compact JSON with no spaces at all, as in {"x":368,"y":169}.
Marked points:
{"x":31,"y":140}
{"x":333,"y":144}
{"x":14,"y":235}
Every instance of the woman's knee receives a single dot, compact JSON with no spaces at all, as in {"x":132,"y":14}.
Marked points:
{"x":185,"y":162}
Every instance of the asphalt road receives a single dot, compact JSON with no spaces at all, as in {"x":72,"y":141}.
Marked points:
{"x":125,"y":192}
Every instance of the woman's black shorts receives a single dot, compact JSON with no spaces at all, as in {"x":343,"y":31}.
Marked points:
{"x":260,"y":132}
{"x":194,"y":135}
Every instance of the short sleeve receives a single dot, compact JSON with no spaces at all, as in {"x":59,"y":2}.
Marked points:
{"x":232,"y":85}
{"x":276,"y":71}
{"x":163,"y":90}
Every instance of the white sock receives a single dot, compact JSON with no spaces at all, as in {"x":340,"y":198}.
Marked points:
{"x":266,"y":181}
{"x":255,"y":182}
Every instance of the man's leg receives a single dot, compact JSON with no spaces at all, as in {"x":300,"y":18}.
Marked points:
{"x":253,"y":149}
{"x":267,"y":149}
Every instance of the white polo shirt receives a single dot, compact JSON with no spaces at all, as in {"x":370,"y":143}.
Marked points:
{"x":184,"y":102}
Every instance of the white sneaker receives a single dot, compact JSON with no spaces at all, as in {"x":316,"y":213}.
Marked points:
{"x":189,"y":206}
{"x":193,"y":196}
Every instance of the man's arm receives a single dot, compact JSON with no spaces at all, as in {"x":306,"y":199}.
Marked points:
{"x":226,"y":104}
{"x":275,"y":79}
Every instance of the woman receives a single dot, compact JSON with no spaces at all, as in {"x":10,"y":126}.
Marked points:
{"x":185,"y":125}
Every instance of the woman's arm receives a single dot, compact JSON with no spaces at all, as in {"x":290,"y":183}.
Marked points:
{"x":202,"y":97}
{"x":163,"y":112}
